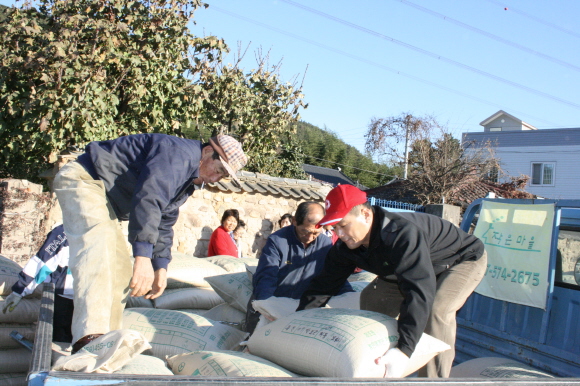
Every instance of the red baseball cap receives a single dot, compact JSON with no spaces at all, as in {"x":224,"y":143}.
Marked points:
{"x":339,"y":202}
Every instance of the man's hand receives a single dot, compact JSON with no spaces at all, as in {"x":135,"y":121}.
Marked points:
{"x":159,"y":284}
{"x":143,"y":276}
{"x":11,"y":302}
{"x":395,"y":362}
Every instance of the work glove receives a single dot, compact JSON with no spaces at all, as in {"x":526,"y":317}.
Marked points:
{"x":395,"y":362}
{"x":11,"y":302}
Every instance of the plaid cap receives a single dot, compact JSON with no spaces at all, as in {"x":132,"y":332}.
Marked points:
{"x":339,"y":201}
{"x":230,"y":152}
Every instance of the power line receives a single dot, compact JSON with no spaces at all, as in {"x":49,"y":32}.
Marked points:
{"x":431,"y":54}
{"x":492,"y":36}
{"x":537,"y":19}
{"x":358,"y":58}
{"x":348,"y":166}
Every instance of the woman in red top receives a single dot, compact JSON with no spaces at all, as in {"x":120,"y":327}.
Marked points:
{"x":221,"y":241}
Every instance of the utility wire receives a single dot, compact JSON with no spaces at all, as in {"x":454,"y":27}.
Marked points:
{"x":431,"y":54}
{"x":537,"y":19}
{"x":492,"y":36}
{"x":358,"y":58}
{"x":348,"y":166}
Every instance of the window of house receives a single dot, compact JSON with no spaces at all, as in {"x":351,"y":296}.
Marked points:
{"x":493,"y":175}
{"x":543,"y":173}
{"x":495,"y":129}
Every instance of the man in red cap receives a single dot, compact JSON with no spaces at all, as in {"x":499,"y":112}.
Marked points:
{"x":426,"y":269}
{"x":142,"y":178}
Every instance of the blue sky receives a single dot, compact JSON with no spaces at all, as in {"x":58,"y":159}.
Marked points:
{"x":459,"y":60}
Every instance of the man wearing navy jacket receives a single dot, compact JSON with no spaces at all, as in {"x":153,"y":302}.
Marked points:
{"x":142,"y":178}
{"x":291,"y":257}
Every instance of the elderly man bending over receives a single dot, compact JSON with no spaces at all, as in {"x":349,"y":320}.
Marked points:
{"x":291,"y":257}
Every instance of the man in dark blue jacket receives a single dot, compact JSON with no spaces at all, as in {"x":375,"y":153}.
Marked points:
{"x":143,"y":178}
{"x":291,"y":257}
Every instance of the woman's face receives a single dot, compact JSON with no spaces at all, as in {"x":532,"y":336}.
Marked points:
{"x":239,"y":233}
{"x":285,"y":223}
{"x":230,"y":223}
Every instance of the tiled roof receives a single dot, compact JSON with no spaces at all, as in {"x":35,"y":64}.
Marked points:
{"x":399,"y":191}
{"x":285,"y":187}
{"x":331,"y":176}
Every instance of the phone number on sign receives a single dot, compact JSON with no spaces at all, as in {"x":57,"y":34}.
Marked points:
{"x":521,"y":277}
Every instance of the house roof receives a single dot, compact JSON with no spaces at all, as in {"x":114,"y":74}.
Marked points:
{"x":331,"y":176}
{"x":285,"y":187}
{"x":500,"y":113}
{"x":399,"y":191}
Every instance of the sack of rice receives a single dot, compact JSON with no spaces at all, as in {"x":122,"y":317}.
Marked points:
{"x":336,"y":342}
{"x":14,"y":379}
{"x":229,"y":263}
{"x":235,"y":288}
{"x":225,"y":313}
{"x":9,"y":271}
{"x":276,"y":307}
{"x":15,"y":360}
{"x":358,"y":286}
{"x":251,"y":270}
{"x":362,"y":276}
{"x":187,"y":271}
{"x":198,"y":298}
{"x":347,"y":300}
{"x":139,"y":302}
{"x":175,"y":332}
{"x":194,"y":311}
{"x":495,"y":367}
{"x":225,"y":364}
{"x":145,"y":364}
{"x":60,"y":349}
{"x":28,"y":331}
{"x":105,"y":354}
{"x":26,"y":312}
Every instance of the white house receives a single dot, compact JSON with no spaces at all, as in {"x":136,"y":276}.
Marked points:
{"x":551,"y":157}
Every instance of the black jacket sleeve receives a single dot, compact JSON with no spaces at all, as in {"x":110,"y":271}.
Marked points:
{"x":417,"y":282}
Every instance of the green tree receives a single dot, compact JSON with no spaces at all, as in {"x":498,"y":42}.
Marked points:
{"x":75,"y":71}
{"x":439,"y":165}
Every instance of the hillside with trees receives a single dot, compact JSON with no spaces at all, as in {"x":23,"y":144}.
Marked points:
{"x":324,"y":148}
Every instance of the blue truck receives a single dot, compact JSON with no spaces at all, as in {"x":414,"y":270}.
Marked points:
{"x":548,"y":340}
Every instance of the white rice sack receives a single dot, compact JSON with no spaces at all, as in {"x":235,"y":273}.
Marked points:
{"x":235,"y":288}
{"x":336,"y":342}
{"x":15,"y":360}
{"x":106,"y":354}
{"x":347,"y":300}
{"x":28,"y":331}
{"x":9,"y":271}
{"x":193,"y":311}
{"x":495,"y":367}
{"x":225,"y":313}
{"x":139,"y":302}
{"x":229,"y":263}
{"x":175,"y":332}
{"x":187,"y":271}
{"x":225,"y":364}
{"x":60,"y":349}
{"x":362,"y":276}
{"x":14,"y":379}
{"x":26,"y":311}
{"x":358,"y":286}
{"x":275,"y":307}
{"x":198,"y":298}
{"x":251,"y":270}
{"x":145,"y":364}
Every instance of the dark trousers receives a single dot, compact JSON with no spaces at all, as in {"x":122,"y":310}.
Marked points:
{"x":62,"y":319}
